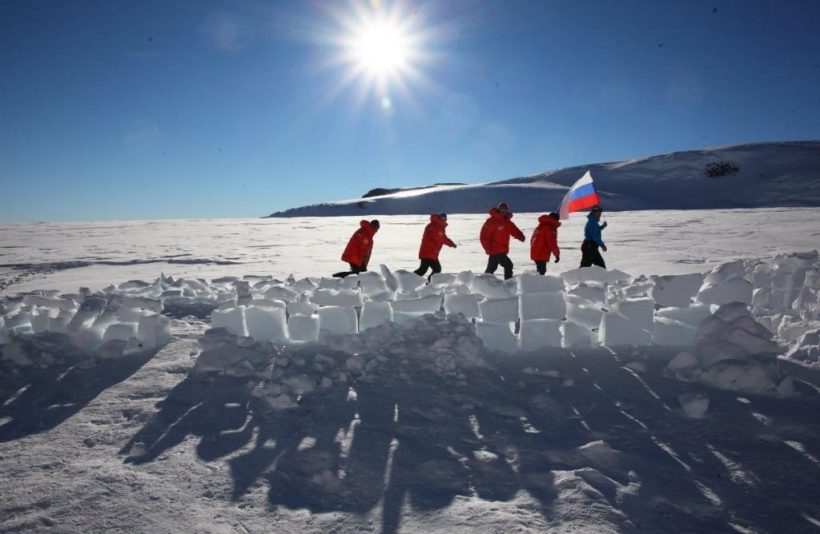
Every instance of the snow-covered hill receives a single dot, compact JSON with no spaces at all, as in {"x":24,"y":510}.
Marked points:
{"x":753,"y":175}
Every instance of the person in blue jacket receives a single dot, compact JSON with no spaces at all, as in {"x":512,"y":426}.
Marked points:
{"x":592,"y":240}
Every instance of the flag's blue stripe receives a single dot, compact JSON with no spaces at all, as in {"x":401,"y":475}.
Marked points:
{"x":584,"y":190}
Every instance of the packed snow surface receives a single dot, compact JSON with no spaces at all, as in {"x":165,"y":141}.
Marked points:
{"x":621,"y":400}
{"x":64,"y":256}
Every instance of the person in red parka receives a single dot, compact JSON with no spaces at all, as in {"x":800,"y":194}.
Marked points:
{"x":431,"y":242}
{"x":495,"y":238}
{"x":544,"y":242}
{"x":357,"y":252}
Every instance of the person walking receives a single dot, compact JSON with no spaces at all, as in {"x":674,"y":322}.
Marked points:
{"x":544,"y":242}
{"x":495,"y":238}
{"x":432,"y":240}
{"x":592,"y":240}
{"x":359,"y":247}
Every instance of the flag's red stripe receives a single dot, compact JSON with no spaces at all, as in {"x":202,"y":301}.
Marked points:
{"x":584,"y":202}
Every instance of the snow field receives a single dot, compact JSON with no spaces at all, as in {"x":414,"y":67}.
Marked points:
{"x":736,"y":319}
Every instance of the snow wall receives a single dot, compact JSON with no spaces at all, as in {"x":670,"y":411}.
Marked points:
{"x":739,"y":316}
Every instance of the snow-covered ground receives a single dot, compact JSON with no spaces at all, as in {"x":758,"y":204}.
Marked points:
{"x":65,"y":256}
{"x":616,"y":403}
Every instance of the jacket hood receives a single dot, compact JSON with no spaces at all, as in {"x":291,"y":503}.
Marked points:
{"x":546,"y":220}
{"x":368,"y":227}
{"x":495,"y":212}
{"x":435,"y":219}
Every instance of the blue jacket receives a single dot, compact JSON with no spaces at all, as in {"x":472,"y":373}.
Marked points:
{"x":592,"y":231}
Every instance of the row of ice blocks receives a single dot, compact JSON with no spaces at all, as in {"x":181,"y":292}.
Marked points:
{"x":271,"y":322}
{"x":90,"y":323}
{"x":549,"y":321}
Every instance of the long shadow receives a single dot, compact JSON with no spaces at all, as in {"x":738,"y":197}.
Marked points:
{"x":214,"y":408}
{"x":425,"y":442}
{"x":432,"y":446}
{"x":759,"y":482}
{"x":396,"y":442}
{"x":55,"y":393}
{"x":413,"y":438}
{"x":319,"y":464}
{"x":592,"y":407}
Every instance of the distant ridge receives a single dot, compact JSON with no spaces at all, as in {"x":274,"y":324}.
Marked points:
{"x":756,"y":175}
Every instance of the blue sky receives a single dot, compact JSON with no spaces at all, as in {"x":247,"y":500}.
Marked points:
{"x":194,"y":108}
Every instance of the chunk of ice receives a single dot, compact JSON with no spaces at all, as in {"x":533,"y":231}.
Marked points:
{"x":535,"y":283}
{"x":231,"y":319}
{"x":576,"y":335}
{"x":670,"y":332}
{"x":499,"y":310}
{"x":429,"y":304}
{"x":694,"y":404}
{"x":339,"y":320}
{"x":265,"y":323}
{"x":465,"y":304}
{"x":496,"y":336}
{"x":303,"y":327}
{"x":539,"y":333}
{"x":676,"y":290}
{"x":734,"y":290}
{"x":547,"y":305}
{"x":375,"y":314}
{"x":617,"y":330}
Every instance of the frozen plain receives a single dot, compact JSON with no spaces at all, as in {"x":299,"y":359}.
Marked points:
{"x":68,"y":255}
{"x":578,"y":442}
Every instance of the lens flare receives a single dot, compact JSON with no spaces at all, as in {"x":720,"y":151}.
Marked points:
{"x":381,"y":48}
{"x":378,"y":49}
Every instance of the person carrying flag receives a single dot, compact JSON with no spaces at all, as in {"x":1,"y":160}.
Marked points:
{"x":580,"y":196}
{"x":357,"y":252}
{"x":544,"y":242}
{"x":431,"y":242}
{"x":495,"y":238}
{"x":592,"y":240}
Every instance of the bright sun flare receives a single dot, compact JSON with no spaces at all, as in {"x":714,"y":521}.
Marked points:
{"x":381,"y":48}
{"x":380,"y":52}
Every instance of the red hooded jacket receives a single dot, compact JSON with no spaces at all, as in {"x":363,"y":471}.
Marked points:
{"x":360,"y":245}
{"x":544,"y":239}
{"x":496,"y":232}
{"x":434,"y":238}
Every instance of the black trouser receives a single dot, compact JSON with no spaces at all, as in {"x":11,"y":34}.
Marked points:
{"x":354,"y":269}
{"x":590,"y":255}
{"x":500,"y":259}
{"x":428,"y":264}
{"x":541,"y":266}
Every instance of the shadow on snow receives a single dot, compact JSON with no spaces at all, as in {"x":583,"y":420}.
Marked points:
{"x":35,"y":399}
{"x":416,"y":438}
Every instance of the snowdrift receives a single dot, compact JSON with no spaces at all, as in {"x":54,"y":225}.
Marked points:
{"x":733,"y":322}
{"x":750,"y":175}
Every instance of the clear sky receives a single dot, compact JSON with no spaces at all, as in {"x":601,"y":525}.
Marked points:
{"x":197,"y":108}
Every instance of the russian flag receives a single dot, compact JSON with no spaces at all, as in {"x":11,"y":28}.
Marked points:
{"x":580,"y":196}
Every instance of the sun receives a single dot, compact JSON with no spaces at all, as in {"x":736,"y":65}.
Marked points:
{"x":381,"y":48}
{"x":380,"y":54}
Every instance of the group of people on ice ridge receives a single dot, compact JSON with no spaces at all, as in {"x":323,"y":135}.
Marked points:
{"x":495,"y":239}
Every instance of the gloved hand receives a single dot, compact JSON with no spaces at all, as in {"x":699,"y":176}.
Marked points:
{"x":521,"y":239}
{"x":603,"y":247}
{"x":604,"y":225}
{"x":557,"y":259}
